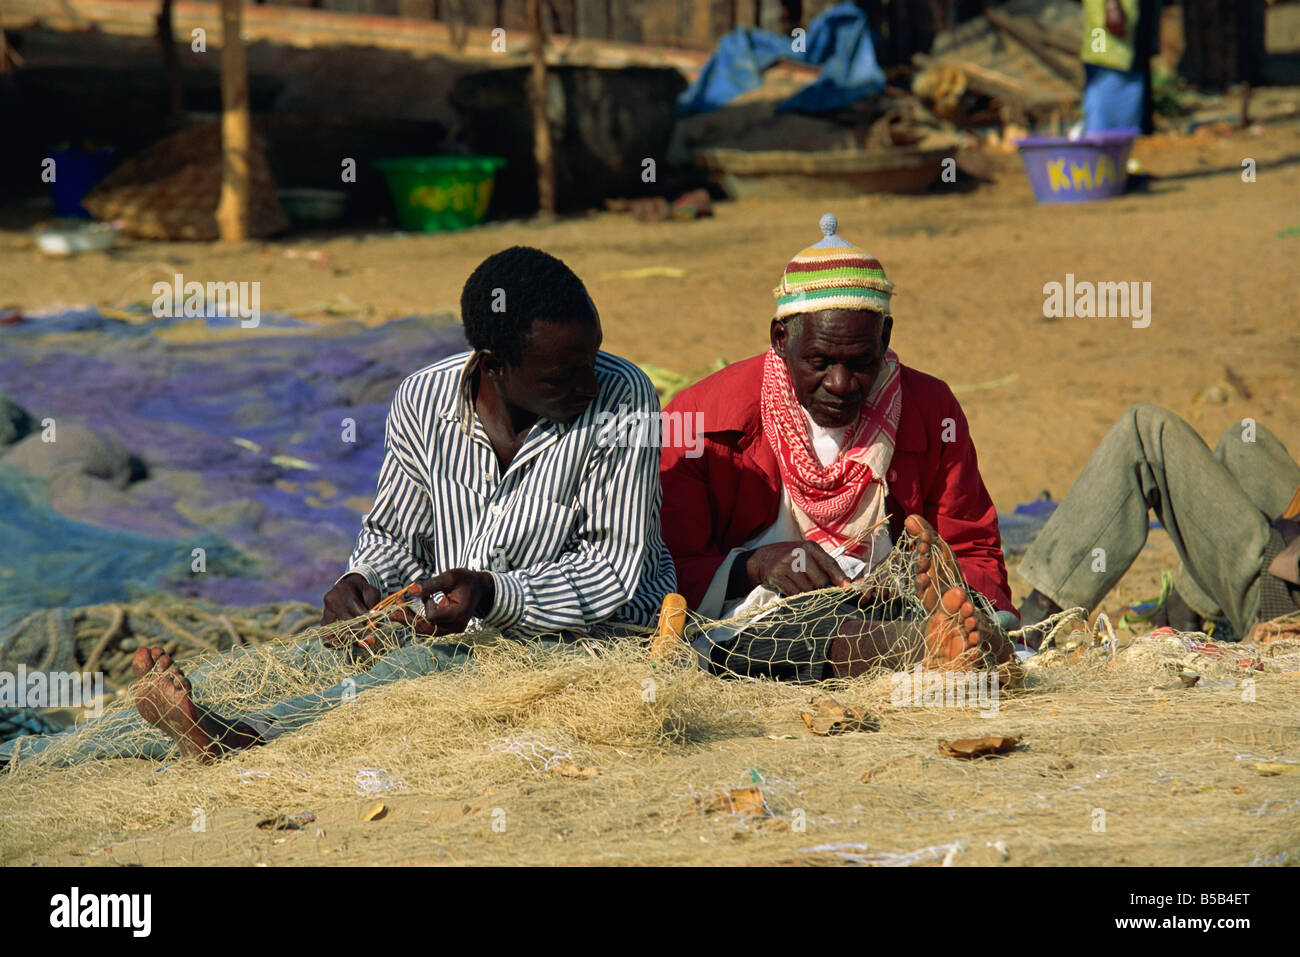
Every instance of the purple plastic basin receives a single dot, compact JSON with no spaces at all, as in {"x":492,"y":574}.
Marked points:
{"x":1061,"y":170}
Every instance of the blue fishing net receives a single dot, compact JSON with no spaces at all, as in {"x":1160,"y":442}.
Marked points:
{"x":261,"y":449}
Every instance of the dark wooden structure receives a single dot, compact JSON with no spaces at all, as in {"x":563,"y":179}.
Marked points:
{"x":1225,"y":42}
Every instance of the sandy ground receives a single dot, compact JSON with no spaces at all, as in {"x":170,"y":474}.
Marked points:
{"x":1115,"y":765}
{"x":969,"y":265}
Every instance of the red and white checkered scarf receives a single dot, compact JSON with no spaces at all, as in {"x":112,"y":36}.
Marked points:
{"x":837,"y":503}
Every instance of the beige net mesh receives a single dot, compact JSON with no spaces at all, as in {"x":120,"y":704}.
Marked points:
{"x":881,"y":621}
{"x":1122,"y":750}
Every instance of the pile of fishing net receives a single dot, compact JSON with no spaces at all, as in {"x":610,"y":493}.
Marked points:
{"x":103,"y":637}
{"x":170,"y":190}
{"x":1161,"y":749}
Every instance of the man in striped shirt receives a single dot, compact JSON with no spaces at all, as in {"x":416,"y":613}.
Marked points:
{"x":502,"y":488}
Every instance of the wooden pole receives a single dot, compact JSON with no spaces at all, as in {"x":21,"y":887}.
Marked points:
{"x":1067,"y":67}
{"x":543,"y":153}
{"x":236,"y":127}
{"x":171,"y":64}
{"x":9,"y":58}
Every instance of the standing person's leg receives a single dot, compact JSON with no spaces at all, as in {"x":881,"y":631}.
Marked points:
{"x":1151,"y":459}
{"x":1112,"y":99}
{"x":1145,"y":45}
{"x":1268,"y":475}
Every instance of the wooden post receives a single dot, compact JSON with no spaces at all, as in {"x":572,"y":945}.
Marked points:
{"x":543,"y":152}
{"x":9,"y":58}
{"x":171,"y":64}
{"x":236,"y":127}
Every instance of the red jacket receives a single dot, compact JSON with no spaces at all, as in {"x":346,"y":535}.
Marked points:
{"x":730,"y":493}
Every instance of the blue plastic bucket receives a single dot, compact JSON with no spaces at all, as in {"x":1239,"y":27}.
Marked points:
{"x":76,"y":172}
{"x":1062,"y":170}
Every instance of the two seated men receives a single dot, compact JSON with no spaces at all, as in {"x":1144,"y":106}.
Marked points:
{"x":502,"y":499}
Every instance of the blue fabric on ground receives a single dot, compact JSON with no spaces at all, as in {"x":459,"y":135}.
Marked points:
{"x":90,"y":319}
{"x":839,"y":40}
{"x":246,"y":445}
{"x":1020,"y":527}
{"x":1112,"y":99}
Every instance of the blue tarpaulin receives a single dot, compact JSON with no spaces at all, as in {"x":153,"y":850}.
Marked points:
{"x":839,"y":40}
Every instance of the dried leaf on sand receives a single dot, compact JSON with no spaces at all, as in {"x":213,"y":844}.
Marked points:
{"x":984,"y":747}
{"x":746,"y":801}
{"x":830,"y":717}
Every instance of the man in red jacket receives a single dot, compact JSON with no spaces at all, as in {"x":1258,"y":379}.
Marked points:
{"x":815,"y":457}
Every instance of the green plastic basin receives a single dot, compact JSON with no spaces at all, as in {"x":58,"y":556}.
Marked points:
{"x":440,"y":192}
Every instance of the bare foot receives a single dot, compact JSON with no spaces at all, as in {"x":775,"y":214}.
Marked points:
{"x":162,"y":696}
{"x":936,"y":566}
{"x":952,"y":634}
{"x":956,"y":635}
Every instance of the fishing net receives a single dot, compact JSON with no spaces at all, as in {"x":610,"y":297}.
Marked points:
{"x":621,"y":747}
{"x":102,"y":638}
{"x":879,"y":621}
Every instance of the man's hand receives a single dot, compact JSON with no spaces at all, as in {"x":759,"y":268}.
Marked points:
{"x":465,"y":595}
{"x":350,"y":597}
{"x":793,"y":568}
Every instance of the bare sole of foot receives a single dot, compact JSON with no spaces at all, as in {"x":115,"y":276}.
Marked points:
{"x":163,"y":698}
{"x":952,"y":634}
{"x":956,"y":635}
{"x":936,"y":566}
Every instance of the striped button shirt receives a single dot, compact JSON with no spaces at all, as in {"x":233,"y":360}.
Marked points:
{"x":569,"y":532}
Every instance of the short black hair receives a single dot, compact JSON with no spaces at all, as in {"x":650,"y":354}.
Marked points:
{"x":513,"y":288}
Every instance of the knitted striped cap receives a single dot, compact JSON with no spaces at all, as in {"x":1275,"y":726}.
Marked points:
{"x":832,"y":274}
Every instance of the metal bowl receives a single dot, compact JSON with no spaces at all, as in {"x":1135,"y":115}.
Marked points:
{"x":71,"y":240}
{"x":318,"y":206}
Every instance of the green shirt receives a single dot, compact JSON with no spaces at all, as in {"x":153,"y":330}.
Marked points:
{"x":1102,"y":48}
